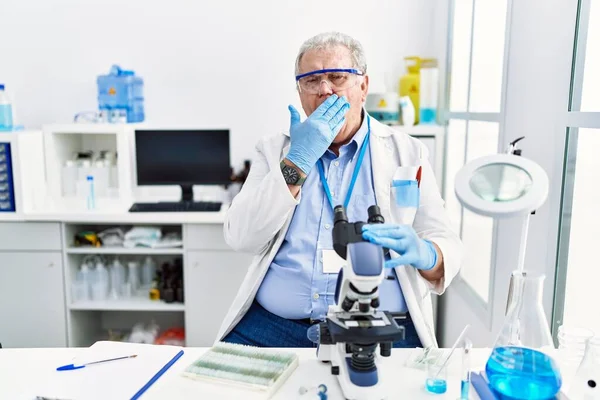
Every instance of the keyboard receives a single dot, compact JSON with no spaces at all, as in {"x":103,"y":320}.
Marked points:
{"x":188,"y":206}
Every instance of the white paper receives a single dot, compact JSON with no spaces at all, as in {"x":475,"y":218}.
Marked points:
{"x":332,"y":263}
{"x":119,"y":379}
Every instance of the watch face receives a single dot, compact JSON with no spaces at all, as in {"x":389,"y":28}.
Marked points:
{"x":290,"y":175}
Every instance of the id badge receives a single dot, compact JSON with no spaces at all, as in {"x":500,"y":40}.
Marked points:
{"x":332,"y":263}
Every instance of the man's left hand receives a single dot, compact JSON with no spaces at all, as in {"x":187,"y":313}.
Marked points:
{"x":402,"y":239}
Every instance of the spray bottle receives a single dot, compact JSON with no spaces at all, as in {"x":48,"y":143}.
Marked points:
{"x":410,"y":83}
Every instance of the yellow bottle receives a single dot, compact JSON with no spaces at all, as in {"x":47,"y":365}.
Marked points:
{"x":410,"y":83}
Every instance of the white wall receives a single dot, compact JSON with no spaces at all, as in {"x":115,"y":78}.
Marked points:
{"x":205,"y":63}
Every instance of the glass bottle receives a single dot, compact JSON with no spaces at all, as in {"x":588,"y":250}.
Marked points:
{"x":586,"y":384}
{"x":520,"y":365}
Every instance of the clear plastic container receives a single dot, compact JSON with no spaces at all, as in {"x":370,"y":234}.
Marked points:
{"x":6,"y":111}
{"x":69,"y":178}
{"x":121,"y":95}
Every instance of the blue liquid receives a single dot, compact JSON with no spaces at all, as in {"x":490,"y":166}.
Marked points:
{"x":427,"y":115}
{"x":437,"y":386}
{"x":464,"y":389}
{"x":6,"y":122}
{"x":522,"y":373}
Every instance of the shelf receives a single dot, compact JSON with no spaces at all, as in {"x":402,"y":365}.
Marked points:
{"x":123,"y":250}
{"x":91,"y":128}
{"x":135,"y":304}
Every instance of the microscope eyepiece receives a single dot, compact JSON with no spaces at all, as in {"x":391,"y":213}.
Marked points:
{"x":339,"y":214}
{"x":375,"y":216}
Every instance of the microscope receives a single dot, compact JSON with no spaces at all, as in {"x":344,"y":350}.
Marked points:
{"x":354,"y":329}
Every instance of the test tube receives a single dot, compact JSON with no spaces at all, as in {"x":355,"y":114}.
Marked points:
{"x":465,"y":380}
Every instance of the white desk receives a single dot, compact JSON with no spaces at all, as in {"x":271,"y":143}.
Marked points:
{"x":19,"y":369}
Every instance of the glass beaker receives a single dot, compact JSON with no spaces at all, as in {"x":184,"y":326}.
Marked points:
{"x":519,"y":366}
{"x":586,"y":384}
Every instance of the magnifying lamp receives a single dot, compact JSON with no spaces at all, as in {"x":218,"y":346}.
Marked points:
{"x":503,"y":186}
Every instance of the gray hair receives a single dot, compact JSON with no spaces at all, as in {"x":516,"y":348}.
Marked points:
{"x":329,"y":40}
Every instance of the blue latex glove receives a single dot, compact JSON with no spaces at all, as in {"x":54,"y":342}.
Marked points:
{"x":403,"y":240}
{"x":311,"y":138}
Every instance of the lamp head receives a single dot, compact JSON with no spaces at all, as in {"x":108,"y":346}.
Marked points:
{"x":502,"y":185}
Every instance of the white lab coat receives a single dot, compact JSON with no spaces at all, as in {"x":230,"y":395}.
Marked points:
{"x":260,"y":214}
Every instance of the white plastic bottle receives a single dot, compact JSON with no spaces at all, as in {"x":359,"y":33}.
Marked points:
{"x":134,"y":276}
{"x":84,"y":169}
{"x":81,"y":286}
{"x":69,"y":178}
{"x":6,"y":112}
{"x":408,"y":111}
{"x":101,"y":281}
{"x":117,"y":279}
{"x":148,"y":271}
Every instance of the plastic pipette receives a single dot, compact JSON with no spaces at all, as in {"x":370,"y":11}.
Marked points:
{"x":458,"y":340}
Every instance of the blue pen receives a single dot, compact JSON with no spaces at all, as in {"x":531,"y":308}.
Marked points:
{"x":71,"y":367}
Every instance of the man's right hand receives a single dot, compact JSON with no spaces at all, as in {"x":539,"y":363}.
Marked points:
{"x":311,"y":138}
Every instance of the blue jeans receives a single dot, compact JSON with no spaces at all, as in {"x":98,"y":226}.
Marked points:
{"x":261,"y":328}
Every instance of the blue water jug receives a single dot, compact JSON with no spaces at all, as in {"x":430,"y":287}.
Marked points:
{"x":121,"y":92}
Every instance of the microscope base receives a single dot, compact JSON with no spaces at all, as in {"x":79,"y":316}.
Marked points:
{"x":355,"y":385}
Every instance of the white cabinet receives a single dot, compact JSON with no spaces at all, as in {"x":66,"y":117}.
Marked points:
{"x":32,"y":300}
{"x":212,"y":280}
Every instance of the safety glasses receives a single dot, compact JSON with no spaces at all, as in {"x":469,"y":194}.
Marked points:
{"x":337,"y":79}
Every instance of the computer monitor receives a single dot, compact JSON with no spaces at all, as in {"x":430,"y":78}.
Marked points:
{"x":182,"y":157}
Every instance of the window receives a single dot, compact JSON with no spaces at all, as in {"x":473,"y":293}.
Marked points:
{"x":487,"y":56}
{"x":576,"y":292}
{"x":582,"y":275}
{"x":461,"y":50}
{"x":476,"y":65}
{"x":590,"y":96}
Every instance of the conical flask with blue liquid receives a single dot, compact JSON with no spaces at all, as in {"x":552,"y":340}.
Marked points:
{"x":521,"y":364}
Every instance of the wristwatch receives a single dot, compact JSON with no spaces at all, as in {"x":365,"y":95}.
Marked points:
{"x":291,"y":175}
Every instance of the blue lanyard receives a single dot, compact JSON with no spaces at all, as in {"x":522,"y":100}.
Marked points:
{"x":361,"y":155}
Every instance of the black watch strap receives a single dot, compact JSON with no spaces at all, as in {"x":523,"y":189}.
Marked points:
{"x":291,"y":175}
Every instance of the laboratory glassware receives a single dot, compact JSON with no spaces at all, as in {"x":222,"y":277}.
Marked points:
{"x":585,"y":385}
{"x":6,"y":112}
{"x":521,"y":365}
{"x":436,"y":381}
{"x":572,"y":341}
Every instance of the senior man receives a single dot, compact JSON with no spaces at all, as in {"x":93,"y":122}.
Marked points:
{"x":284,"y":212}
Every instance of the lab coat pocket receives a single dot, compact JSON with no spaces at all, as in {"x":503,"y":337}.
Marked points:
{"x":405,"y":200}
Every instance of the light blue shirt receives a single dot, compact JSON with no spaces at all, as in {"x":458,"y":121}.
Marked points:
{"x":295,"y":286}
